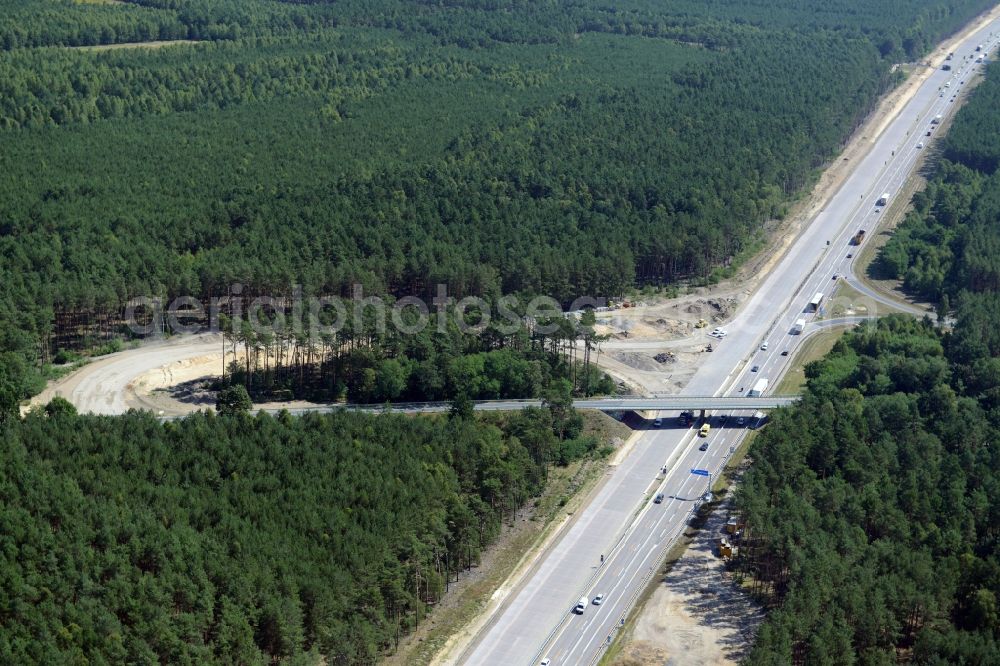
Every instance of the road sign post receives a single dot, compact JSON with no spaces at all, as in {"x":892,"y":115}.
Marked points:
{"x":704,"y":472}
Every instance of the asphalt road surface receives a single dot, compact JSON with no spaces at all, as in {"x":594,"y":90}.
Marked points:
{"x":622,"y":522}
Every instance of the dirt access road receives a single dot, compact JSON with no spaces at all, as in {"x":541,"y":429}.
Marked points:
{"x":115,"y":383}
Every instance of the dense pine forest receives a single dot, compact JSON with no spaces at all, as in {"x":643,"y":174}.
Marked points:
{"x":495,"y":147}
{"x":363,"y":364}
{"x":250,"y":540}
{"x":873,"y":508}
{"x":948,"y":247}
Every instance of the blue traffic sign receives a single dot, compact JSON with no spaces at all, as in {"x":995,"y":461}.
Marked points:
{"x":701,"y":472}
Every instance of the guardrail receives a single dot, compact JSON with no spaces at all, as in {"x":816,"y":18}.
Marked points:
{"x":610,"y":404}
{"x":607,"y":404}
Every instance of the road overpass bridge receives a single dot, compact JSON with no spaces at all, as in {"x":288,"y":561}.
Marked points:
{"x":665,"y":403}
{"x":685,"y":402}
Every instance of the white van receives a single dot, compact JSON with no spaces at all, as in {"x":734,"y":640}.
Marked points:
{"x":581,"y":606}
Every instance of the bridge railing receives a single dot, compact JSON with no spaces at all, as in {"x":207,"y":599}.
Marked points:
{"x":609,"y":404}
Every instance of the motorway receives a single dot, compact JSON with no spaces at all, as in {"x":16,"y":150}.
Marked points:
{"x":621,"y":522}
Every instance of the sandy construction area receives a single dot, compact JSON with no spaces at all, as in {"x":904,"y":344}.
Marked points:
{"x":114,"y":383}
{"x":697,"y":615}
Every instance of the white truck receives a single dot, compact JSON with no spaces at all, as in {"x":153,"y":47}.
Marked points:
{"x":883,"y":200}
{"x":758,"y":388}
{"x":581,"y":606}
{"x":937,"y":119}
{"x":815,"y":302}
{"x":800,"y":325}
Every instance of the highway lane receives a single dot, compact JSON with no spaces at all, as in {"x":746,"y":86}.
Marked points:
{"x":833,"y":259}
{"x":545,"y":598}
{"x":639,"y":555}
{"x":538,"y":613}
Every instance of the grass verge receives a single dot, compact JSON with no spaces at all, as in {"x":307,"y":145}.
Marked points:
{"x":54,"y":372}
{"x":847,"y":301}
{"x":814,"y":348}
